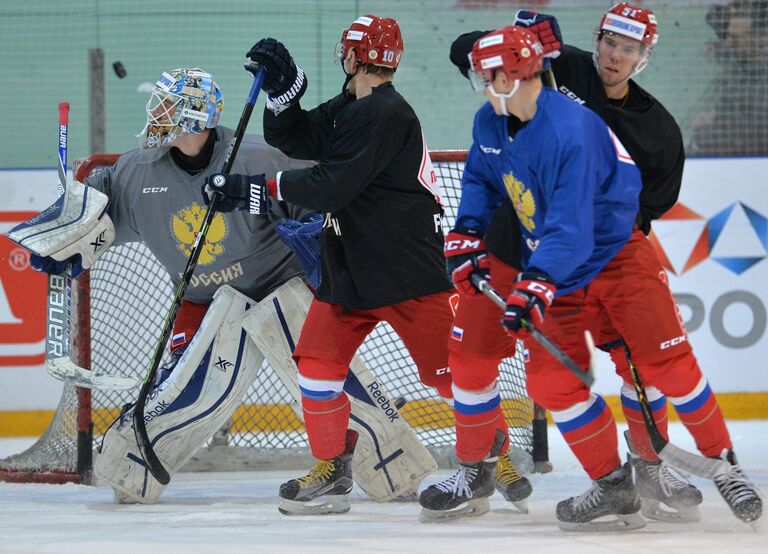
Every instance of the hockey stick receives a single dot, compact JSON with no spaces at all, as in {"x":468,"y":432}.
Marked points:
{"x":58,"y":304}
{"x":696,"y":464}
{"x":139,"y":425}
{"x":585,"y":376}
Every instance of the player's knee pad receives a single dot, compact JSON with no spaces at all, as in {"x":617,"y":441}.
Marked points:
{"x":472,"y":373}
{"x":206,"y":386}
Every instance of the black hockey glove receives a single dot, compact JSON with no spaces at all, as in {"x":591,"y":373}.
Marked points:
{"x":284,"y":81}
{"x":238,"y":192}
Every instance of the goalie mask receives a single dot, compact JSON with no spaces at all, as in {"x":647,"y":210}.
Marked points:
{"x":375,"y":40}
{"x":183,"y":101}
{"x":515,"y":50}
{"x":626,"y":20}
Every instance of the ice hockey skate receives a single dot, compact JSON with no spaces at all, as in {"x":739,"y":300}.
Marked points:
{"x":739,"y":492}
{"x":324,"y":490}
{"x":664,"y":496}
{"x":613,"y":495}
{"x":511,"y":484}
{"x":466,"y":492}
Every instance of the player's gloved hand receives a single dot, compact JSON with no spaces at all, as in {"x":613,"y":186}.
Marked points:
{"x":546,"y":29}
{"x":239,"y":192}
{"x":465,"y":255}
{"x":52,"y":266}
{"x":284,"y":82}
{"x":532,"y":294}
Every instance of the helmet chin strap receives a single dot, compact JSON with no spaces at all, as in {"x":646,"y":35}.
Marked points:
{"x":504,"y":96}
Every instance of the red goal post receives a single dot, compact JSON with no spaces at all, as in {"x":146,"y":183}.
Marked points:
{"x":120,"y":306}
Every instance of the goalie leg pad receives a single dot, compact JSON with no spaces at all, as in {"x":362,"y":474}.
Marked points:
{"x":187,"y":409}
{"x":389,"y":460}
{"x":75,"y":227}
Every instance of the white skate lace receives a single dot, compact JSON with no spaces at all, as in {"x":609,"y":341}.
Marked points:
{"x":458,"y":484}
{"x":590,"y":499}
{"x":735,"y":486}
{"x":667,"y":480}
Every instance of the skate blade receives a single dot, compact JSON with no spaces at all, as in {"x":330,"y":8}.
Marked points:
{"x":521,"y":505}
{"x":329,"y":504}
{"x":654,"y":509}
{"x":471,"y":508}
{"x":619,"y":523}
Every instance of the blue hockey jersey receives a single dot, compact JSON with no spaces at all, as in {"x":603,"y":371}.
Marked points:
{"x":573,"y":185}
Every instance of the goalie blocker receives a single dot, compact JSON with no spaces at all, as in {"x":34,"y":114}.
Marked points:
{"x":213,"y":375}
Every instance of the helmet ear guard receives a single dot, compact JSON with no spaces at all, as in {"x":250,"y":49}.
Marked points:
{"x":183,"y":101}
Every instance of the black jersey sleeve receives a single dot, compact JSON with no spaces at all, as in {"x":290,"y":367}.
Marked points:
{"x":303,"y":134}
{"x":362,"y":143}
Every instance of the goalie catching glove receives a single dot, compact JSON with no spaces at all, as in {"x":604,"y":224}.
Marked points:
{"x":532,"y":294}
{"x":284,"y":82}
{"x":240,"y":192}
{"x":466,"y":255}
{"x":75,"y":230}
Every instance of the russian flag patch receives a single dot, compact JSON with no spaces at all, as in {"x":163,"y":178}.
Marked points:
{"x":179,"y":339}
{"x":457,"y":333}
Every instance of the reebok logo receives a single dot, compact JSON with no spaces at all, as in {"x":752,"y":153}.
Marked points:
{"x":385,"y":405}
{"x":155,"y":411}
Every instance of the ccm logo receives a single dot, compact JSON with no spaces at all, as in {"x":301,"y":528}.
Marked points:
{"x":672,"y":342}
{"x":462,"y":244}
{"x":150,"y":190}
{"x":538,"y":288}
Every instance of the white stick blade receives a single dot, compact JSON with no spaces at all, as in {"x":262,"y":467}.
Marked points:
{"x":65,"y":370}
{"x":708,"y":468}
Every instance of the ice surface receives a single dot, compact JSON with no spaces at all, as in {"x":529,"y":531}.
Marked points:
{"x":226,"y":513}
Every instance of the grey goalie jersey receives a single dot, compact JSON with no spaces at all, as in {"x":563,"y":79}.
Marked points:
{"x":161,"y":205}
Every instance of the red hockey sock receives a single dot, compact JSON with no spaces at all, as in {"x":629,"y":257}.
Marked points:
{"x":630,"y":405}
{"x":475,"y":434}
{"x":326,"y":422}
{"x":590,"y":430}
{"x":686,"y":388}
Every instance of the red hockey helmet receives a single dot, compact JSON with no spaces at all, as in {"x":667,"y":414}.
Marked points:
{"x":375,"y":40}
{"x":630,"y":21}
{"x":514,"y":49}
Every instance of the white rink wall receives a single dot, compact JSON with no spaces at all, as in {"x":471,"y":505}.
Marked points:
{"x":716,"y":246}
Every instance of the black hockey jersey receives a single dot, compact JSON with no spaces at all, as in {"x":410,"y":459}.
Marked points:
{"x":382,"y":242}
{"x":647,"y":130}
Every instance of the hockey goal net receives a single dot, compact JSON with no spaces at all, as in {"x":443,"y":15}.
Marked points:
{"x":121,"y":304}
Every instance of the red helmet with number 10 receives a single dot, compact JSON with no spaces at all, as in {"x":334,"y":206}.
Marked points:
{"x":375,"y":40}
